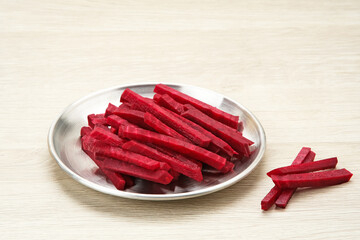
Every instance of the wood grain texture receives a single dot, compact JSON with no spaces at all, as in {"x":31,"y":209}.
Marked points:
{"x":294,"y":64}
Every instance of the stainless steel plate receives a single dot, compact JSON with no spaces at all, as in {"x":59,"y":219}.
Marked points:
{"x":64,"y":145}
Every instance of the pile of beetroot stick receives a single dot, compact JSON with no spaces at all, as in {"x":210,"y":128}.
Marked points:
{"x":303,"y":172}
{"x":161,"y":138}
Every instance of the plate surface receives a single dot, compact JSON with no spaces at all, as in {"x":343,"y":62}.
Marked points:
{"x":64,"y":145}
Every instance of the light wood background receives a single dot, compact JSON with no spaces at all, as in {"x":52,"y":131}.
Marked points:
{"x":294,"y":64}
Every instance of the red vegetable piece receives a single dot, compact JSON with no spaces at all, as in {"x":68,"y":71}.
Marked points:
{"x":113,"y":130}
{"x":305,"y":155}
{"x":115,"y":121}
{"x":312,"y":179}
{"x":229,"y":166}
{"x":110,"y":109}
{"x":211,"y":111}
{"x":305,"y":167}
{"x":127,"y":156}
{"x":185,"y":167}
{"x":168,"y":102}
{"x":270,"y":198}
{"x":134,"y":116}
{"x":94,"y":119}
{"x":234,"y":139}
{"x":85,"y":131}
{"x":125,"y":106}
{"x":177,"y":145}
{"x":149,"y":106}
{"x":177,"y":155}
{"x":159,"y":176}
{"x":90,"y":144}
{"x":276,"y":195}
{"x":300,"y":158}
{"x":164,"y":166}
{"x":310,"y":157}
{"x":218,"y":142}
{"x":106,"y":136}
{"x":156,"y":98}
{"x":115,"y":178}
{"x":160,"y":127}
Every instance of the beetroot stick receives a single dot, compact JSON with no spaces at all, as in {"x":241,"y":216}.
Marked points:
{"x":177,"y":145}
{"x":235,"y":140}
{"x":305,"y":167}
{"x":270,"y":198}
{"x":161,"y":127}
{"x":187,"y":168}
{"x":276,"y":192}
{"x":127,"y":156}
{"x":286,"y":194}
{"x":211,"y":111}
{"x":216,"y":141}
{"x":85,"y":131}
{"x":110,"y":109}
{"x":168,"y":102}
{"x":106,"y":136}
{"x":149,"y":106}
{"x":312,"y":179}
{"x":159,"y":176}
{"x":115,"y":121}
{"x":96,"y":119}
{"x":134,"y":116}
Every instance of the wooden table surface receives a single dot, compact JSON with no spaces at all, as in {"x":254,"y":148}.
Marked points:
{"x":294,"y":64}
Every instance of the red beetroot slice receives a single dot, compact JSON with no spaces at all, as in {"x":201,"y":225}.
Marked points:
{"x":270,"y":198}
{"x":85,"y":131}
{"x":218,"y":142}
{"x":312,"y":179}
{"x":160,"y":127}
{"x":187,"y":168}
{"x":110,"y":109}
{"x":168,"y":102}
{"x":220,"y":125}
{"x":115,"y":121}
{"x":276,"y":193}
{"x":133,"y":116}
{"x":229,"y":166}
{"x":177,"y":145}
{"x":300,"y":158}
{"x":106,"y":136}
{"x":113,"y":130}
{"x":127,"y":156}
{"x":90,"y":144}
{"x":235,"y":140}
{"x":305,"y":167}
{"x":211,"y":111}
{"x":149,"y":106}
{"x":125,"y":106}
{"x":164,"y":166}
{"x":94,"y":119}
{"x":177,"y":155}
{"x":305,"y":155}
{"x":159,"y":176}
{"x":116,"y":178}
